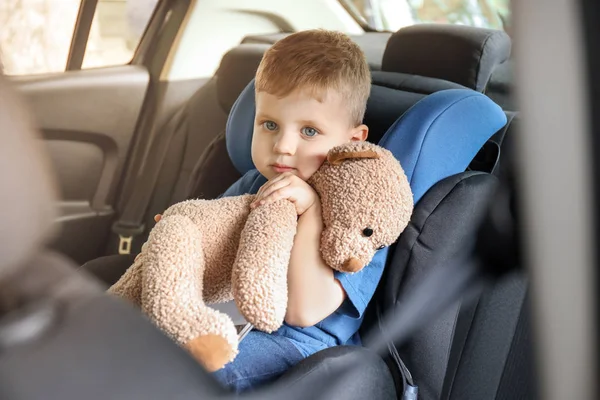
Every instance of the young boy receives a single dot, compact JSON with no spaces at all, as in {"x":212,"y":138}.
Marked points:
{"x":311,"y":94}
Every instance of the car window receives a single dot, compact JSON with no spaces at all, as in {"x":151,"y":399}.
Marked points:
{"x":392,"y":15}
{"x":37,"y":35}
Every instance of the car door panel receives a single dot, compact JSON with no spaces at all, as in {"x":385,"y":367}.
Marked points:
{"x":87,"y":119}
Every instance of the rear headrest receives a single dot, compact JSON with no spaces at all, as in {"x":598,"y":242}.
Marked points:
{"x":456,"y":53}
{"x":449,"y":126}
{"x":238,"y":67}
{"x":28,"y":196}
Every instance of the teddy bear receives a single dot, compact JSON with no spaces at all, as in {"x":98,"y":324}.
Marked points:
{"x":209,"y":251}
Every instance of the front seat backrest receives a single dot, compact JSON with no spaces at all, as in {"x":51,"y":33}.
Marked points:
{"x":27,"y":195}
{"x":61,"y":336}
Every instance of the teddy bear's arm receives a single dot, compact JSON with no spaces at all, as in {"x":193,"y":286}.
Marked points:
{"x":259,"y":275}
{"x":129,"y":286}
{"x":186,"y":208}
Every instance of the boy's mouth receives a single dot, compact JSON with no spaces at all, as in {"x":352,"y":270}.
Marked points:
{"x":281,"y":168}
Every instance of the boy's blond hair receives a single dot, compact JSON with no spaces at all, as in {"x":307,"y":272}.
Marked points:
{"x":318,"y":61}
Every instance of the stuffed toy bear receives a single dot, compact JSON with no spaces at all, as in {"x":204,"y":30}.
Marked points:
{"x":210,"y":251}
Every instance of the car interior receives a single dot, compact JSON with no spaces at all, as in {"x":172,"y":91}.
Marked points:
{"x":108,"y":148}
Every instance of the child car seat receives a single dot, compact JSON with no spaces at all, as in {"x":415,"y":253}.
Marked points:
{"x":435,"y":141}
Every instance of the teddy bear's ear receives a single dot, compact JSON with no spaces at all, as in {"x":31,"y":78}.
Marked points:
{"x":336,"y":158}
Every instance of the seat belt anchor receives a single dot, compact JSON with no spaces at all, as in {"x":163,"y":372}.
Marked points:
{"x":126,"y":233}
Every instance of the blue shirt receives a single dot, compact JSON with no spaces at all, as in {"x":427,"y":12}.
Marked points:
{"x":341,"y":327}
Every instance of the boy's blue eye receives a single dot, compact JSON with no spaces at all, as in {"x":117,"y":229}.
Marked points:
{"x":308,"y":131}
{"x":270,"y":125}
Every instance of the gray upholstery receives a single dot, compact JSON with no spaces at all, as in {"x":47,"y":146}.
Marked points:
{"x":28,"y":193}
{"x":372,"y":43}
{"x":238,"y":67}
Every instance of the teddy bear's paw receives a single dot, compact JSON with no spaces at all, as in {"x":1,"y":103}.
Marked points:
{"x":212,"y":351}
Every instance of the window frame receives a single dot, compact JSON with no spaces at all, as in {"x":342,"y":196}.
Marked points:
{"x":359,"y":18}
{"x":148,"y":46}
{"x":81,"y":34}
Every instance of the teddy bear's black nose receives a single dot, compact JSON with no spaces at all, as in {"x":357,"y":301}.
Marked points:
{"x":368,"y":232}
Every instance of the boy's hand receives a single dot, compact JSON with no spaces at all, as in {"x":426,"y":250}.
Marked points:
{"x":287,"y":186}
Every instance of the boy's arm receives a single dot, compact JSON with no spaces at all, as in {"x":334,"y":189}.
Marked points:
{"x":313,"y":291}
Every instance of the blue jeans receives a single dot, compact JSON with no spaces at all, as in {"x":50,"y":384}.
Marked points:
{"x":262,"y":358}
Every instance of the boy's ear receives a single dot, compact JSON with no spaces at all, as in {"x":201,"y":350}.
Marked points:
{"x":360,"y":133}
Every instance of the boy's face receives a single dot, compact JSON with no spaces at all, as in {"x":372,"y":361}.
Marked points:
{"x":295,"y":133}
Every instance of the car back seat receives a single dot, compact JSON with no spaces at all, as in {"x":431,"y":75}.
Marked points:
{"x":201,"y":122}
{"x":445,"y":216}
{"x":392,"y":93}
{"x":193,"y":127}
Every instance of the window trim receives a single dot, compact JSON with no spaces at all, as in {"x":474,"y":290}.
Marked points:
{"x":355,"y":14}
{"x":81,"y":34}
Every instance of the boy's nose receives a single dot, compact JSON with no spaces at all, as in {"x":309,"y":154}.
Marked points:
{"x":285,"y":143}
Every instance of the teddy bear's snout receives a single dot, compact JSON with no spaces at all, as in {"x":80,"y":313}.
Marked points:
{"x":352,"y":265}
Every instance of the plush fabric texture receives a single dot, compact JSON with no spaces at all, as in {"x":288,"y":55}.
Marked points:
{"x":208,"y":251}
{"x":349,"y":248}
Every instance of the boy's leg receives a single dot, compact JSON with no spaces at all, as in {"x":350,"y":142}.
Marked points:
{"x":262,"y":358}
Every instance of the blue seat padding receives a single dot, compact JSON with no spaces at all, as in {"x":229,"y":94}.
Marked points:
{"x":436,"y":138}
{"x":239,"y":129}
{"x":441,"y":134}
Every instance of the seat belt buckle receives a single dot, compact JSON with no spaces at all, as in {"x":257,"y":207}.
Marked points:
{"x":126,"y":235}
{"x":125,"y":244}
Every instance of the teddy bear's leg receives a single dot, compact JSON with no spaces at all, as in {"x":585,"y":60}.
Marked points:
{"x":129,"y":286}
{"x":172,"y":293}
{"x":259,"y":278}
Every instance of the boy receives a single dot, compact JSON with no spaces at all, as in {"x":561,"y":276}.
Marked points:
{"x":311,"y":94}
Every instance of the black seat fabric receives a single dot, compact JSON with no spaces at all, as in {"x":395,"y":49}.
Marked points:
{"x":500,"y":88}
{"x":456,"y":53}
{"x":494,"y":357}
{"x":491,"y":355}
{"x":445,"y":219}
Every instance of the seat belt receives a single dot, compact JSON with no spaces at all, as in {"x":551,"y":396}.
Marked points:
{"x":409,"y":390}
{"x":131,"y":221}
{"x":464,"y":321}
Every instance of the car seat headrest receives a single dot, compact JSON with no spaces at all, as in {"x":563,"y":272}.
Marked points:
{"x":28,"y":195}
{"x":238,"y":67}
{"x":457,"y":53}
{"x":437,"y":137}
